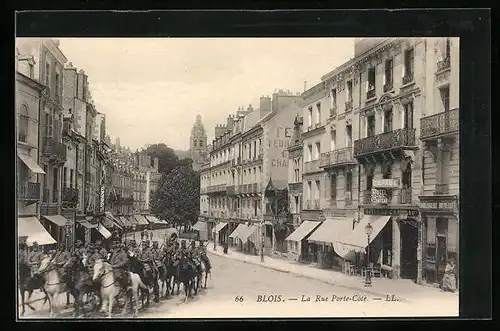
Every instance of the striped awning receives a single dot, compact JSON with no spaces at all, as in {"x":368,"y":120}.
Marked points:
{"x":239,"y":230}
{"x":124,"y":221}
{"x":200,"y":226}
{"x":31,"y":228}
{"x":141,"y":220}
{"x":88,"y":225}
{"x":220,"y":226}
{"x":153,"y":219}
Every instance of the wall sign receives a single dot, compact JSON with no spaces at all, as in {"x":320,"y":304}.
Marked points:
{"x":386,"y":183}
{"x":439,"y":205}
{"x":391,"y":212}
{"x":380,"y":196}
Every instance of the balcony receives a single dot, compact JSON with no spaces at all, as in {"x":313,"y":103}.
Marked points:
{"x":70,"y":196}
{"x":230,"y":190}
{"x":66,"y":129}
{"x":312,"y":204}
{"x":217,"y":188}
{"x":367,"y":197}
{"x":405,"y":196}
{"x":440,"y":125}
{"x":443,"y":64}
{"x":53,"y":149}
{"x":441,"y":189}
{"x":333,"y":111}
{"x":408,"y":78}
{"x":295,"y":187}
{"x":28,"y":191}
{"x":370,"y":94}
{"x":55,"y":196}
{"x":394,"y":140}
{"x":348,"y":106}
{"x":337,"y":157}
{"x":388,"y":86}
{"x":254,"y":188}
{"x":312,"y":166}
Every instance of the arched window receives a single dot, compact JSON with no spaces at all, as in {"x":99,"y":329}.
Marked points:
{"x":23,"y":124}
{"x":195,"y":143}
{"x":201,"y":143}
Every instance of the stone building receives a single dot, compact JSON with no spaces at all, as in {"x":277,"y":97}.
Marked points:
{"x":198,"y":149}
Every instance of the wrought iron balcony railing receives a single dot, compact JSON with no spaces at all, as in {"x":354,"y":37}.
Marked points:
{"x":348,"y":105}
{"x":55,"y":196}
{"x":443,"y":64}
{"x":337,"y":157}
{"x":384,"y":142}
{"x":312,"y":166}
{"x":28,"y":191}
{"x":70,"y":195}
{"x":367,"y":197}
{"x":53,"y":148}
{"x":438,"y":125}
{"x":388,"y":86}
{"x":370,"y":94}
{"x":441,"y":189}
{"x":295,"y":186}
{"x":408,"y":78}
{"x":405,"y":195}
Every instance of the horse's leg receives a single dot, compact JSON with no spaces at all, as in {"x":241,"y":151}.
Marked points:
{"x":110,"y":307}
{"x":51,"y":304}
{"x":125,"y":306}
{"x":67,"y":298}
{"x":136,"y":308}
{"x":22,"y":289}
{"x":206,"y":276}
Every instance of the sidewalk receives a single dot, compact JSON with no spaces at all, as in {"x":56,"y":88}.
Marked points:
{"x":403,"y":289}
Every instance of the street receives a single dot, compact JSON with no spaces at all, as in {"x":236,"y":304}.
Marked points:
{"x":237,"y":289}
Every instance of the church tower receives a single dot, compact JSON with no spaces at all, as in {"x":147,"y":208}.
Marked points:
{"x":198,"y":141}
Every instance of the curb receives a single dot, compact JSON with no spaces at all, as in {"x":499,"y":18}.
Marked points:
{"x":317,"y":279}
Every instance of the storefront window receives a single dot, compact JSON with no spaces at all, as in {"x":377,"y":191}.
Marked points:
{"x":387,"y":244}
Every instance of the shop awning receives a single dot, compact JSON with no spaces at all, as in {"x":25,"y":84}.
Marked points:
{"x":31,"y":163}
{"x":152,"y":219}
{"x":200,"y":226}
{"x":88,"y":225}
{"x":58,"y":220}
{"x":103,"y":231}
{"x":220,"y":226}
{"x":131,"y":220}
{"x":124,"y":221}
{"x":114,"y":221}
{"x":32,"y":228}
{"x":357,"y":240}
{"x":268,"y":223}
{"x":250,"y":234}
{"x":331,"y":230}
{"x":239,"y":230}
{"x":303,"y":230}
{"x":141,"y":220}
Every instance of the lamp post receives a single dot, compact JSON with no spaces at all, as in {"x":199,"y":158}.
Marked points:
{"x":368,"y":280}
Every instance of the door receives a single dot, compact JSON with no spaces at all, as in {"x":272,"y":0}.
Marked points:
{"x":440,"y":256}
{"x":409,"y":243}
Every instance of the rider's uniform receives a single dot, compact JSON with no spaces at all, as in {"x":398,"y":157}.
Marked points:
{"x":92,"y":259}
{"x":118,"y":261}
{"x":34,"y":260}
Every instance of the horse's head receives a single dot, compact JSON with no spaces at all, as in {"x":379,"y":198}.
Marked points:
{"x":44,"y":264}
{"x":100,"y":269}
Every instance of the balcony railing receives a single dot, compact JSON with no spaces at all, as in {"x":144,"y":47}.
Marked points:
{"x":348,"y":105}
{"x":442,"y":124}
{"x":388,"y":86}
{"x":312,"y":204}
{"x":443,"y":64}
{"x":255,"y":188}
{"x":407,"y":79}
{"x":441,"y":189}
{"x":312,"y":166}
{"x":28,"y":191}
{"x":48,"y":210}
{"x":367,"y":197}
{"x":22,"y":136}
{"x":230,"y":190}
{"x":70,"y":195}
{"x":216,"y":188}
{"x":295,"y":186}
{"x":383,"y":142}
{"x":333,"y":111}
{"x":405,"y":196}
{"x":370,"y":94}
{"x":55,"y":196}
{"x":339,"y":156}
{"x":53,"y":148}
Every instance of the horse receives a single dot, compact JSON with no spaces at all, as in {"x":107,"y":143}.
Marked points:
{"x":148,"y":275}
{"x":110,"y":289}
{"x":186,"y":275}
{"x":53,"y":285}
{"x":171,"y":276}
{"x":28,"y":283}
{"x":208,"y":268}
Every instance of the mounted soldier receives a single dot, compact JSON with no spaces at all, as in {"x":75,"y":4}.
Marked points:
{"x":35,"y":258}
{"x":61,"y":257}
{"x":119,"y":262}
{"x":146,"y":258}
{"x":94,"y":256}
{"x":101,"y":250}
{"x":202,"y":251}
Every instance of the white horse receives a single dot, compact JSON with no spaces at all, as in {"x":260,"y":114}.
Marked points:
{"x":110,"y":288}
{"x":53,"y":284}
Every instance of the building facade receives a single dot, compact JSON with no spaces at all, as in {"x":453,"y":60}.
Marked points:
{"x":198,"y":148}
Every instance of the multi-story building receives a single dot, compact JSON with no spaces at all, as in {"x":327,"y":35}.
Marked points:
{"x":29,"y":173}
{"x":249,"y":159}
{"x":390,"y":158}
{"x":47,"y":69}
{"x":204,"y":199}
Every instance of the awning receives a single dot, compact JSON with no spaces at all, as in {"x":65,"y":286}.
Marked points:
{"x":303,"y":230}
{"x":152,"y":219}
{"x":58,"y":220}
{"x":131,"y":220}
{"x":220,"y":226}
{"x":113,"y":219}
{"x":32,"y":228}
{"x":124,"y":221}
{"x":250,"y":234}
{"x":141,"y":220}
{"x":268,"y":223}
{"x":87,"y":225}
{"x":239,"y":230}
{"x":31,"y":164}
{"x":102,"y":230}
{"x":331,"y":230}
{"x":200,"y":226}
{"x":357,"y":240}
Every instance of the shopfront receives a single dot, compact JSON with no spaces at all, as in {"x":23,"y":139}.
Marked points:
{"x":441,"y":235}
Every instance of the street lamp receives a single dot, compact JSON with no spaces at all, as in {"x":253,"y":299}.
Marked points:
{"x":368,"y":280}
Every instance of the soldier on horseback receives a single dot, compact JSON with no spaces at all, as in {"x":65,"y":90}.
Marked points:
{"x":101,"y":250}
{"x":94,"y":256}
{"x":202,"y":251}
{"x":157,"y":253}
{"x":119,"y":262}
{"x":59,"y":260}
{"x":146,"y":257}
{"x":35,"y":258}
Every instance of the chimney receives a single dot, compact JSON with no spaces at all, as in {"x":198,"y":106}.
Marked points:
{"x":250,"y":108}
{"x":265,"y":106}
{"x":230,"y":122}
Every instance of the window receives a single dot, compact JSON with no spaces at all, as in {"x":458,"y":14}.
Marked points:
{"x":201,"y":143}
{"x":254,"y":149}
{"x":388,"y":74}
{"x":370,"y":126}
{"x":57,"y":84}
{"x":195,"y":143}
{"x":408,"y":115}
{"x":333,"y":188}
{"x":386,"y":171}
{"x":388,"y":120}
{"x":309,"y":116}
{"x":47,"y":75}
{"x":441,"y":226}
{"x":22,"y":133}
{"x":349,"y":91}
{"x":317,"y":189}
{"x":371,"y":79}
{"x":408,"y":63}
{"x":348,"y":130}
{"x":31,"y":70}
{"x":65,"y":177}
{"x":445,"y":98}
{"x":369,"y":180}
{"x":54,"y":185}
{"x":318,"y":151}
{"x":333,"y":99}
{"x":333,"y":138}
{"x":310,"y":153}
{"x":348,"y":182}
{"x":71,"y":175}
{"x":318,"y":113}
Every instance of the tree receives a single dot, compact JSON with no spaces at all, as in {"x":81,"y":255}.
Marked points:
{"x":167,"y":160}
{"x":177,"y":199}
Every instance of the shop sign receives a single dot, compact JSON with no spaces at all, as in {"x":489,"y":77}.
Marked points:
{"x":379,"y":196}
{"x":391,"y":212}
{"x":411,"y":222}
{"x":386,"y":183}
{"x":449,"y":205}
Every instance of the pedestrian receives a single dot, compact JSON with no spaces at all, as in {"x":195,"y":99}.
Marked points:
{"x":142,"y":235}
{"x":449,"y":281}
{"x":151,"y":236}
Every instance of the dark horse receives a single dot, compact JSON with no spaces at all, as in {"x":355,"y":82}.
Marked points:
{"x":28,"y":283}
{"x":186,"y":271}
{"x":149,"y":276}
{"x":171,"y":274}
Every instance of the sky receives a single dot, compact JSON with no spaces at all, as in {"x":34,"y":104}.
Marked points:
{"x":151,"y":89}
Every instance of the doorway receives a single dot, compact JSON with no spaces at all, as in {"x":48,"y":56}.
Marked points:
{"x":409,"y":243}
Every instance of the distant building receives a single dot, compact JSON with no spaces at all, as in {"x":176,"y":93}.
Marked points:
{"x":198,"y":149}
